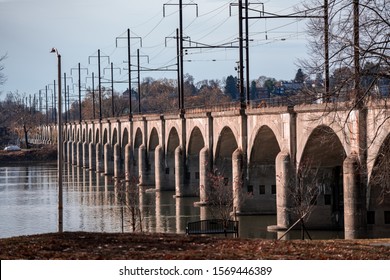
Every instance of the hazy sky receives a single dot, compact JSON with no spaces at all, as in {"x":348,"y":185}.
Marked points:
{"x":78,"y":28}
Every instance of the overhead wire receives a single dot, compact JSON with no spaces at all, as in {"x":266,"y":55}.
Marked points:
{"x":200,"y":33}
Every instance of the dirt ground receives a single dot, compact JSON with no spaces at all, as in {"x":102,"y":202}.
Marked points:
{"x":111,"y":246}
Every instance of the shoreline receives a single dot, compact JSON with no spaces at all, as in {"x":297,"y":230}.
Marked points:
{"x":43,"y":154}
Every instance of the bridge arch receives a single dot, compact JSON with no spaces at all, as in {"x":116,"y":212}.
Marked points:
{"x":90,"y":136}
{"x":170,"y":127}
{"x":261,"y":171}
{"x":137,"y":144}
{"x":114,"y":139}
{"x":138,"y":139}
{"x":97,"y":136}
{"x":105,"y":137}
{"x":125,"y":138}
{"x":379,"y":188}
{"x":195,"y":145}
{"x":124,"y":143}
{"x":273,"y":128}
{"x":74,"y":135}
{"x":226,"y":146}
{"x":153,"y":140}
{"x":153,"y":143}
{"x":329,"y":128}
{"x":196,"y":142}
{"x":321,"y":168}
{"x":173,"y":142}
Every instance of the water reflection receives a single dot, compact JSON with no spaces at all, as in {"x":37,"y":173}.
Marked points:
{"x":28,"y":205}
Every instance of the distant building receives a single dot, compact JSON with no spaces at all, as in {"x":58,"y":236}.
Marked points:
{"x":288,"y":88}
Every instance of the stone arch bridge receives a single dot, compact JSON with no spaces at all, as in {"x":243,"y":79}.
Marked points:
{"x":259,"y":151}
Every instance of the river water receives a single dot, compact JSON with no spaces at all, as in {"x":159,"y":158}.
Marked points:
{"x":28,"y":205}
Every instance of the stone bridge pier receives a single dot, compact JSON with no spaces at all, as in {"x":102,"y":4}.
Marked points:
{"x":262,"y":156}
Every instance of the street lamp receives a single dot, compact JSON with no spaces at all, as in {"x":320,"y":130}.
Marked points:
{"x":59,"y":146}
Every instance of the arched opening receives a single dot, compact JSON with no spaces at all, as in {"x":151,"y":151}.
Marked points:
{"x":114,"y":137}
{"x":125,"y":137}
{"x":226,"y":146}
{"x":261,"y":173}
{"x":105,"y":137}
{"x":195,"y":145}
{"x":137,"y":143}
{"x":173,"y":143}
{"x":320,"y":179}
{"x":153,"y":143}
{"x":105,"y":141}
{"x":125,"y":141}
{"x":97,"y":136}
{"x":378,"y":215}
{"x":90,"y":138}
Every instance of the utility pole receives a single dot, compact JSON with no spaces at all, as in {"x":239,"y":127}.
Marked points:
{"x":93,"y":95}
{"x":129,"y":71}
{"x":181,"y":50}
{"x":356,"y":47}
{"x":100,"y":87}
{"x":79,"y":91}
{"x":265,"y":15}
{"x":139,"y":82}
{"x":79,"y":86}
{"x":99,"y":79}
{"x":112,"y":90}
{"x":66,"y":115}
{"x":181,"y":62}
{"x":112,"y":86}
{"x":241,"y":54}
{"x":129,"y":65}
{"x":40,"y":101}
{"x":178,"y":67}
{"x":68,"y":105}
{"x":247,"y":51}
{"x":47,"y":111}
{"x":54,"y":102}
{"x":326,"y":42}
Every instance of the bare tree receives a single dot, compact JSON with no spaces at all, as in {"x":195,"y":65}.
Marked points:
{"x":2,"y":76}
{"x":358,"y":38}
{"x":220,"y":196}
{"x":303,"y":192}
{"x":359,"y":58}
{"x":18,"y":117}
{"x":127,"y":194}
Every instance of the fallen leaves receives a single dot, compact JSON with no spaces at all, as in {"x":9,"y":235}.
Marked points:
{"x":83,"y":245}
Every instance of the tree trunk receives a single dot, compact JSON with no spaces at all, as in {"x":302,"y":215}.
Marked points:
{"x":26,"y":135}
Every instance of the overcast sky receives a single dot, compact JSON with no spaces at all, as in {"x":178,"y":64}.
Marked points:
{"x":78,"y":28}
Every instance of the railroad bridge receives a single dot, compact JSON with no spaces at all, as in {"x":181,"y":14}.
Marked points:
{"x":260,"y":152}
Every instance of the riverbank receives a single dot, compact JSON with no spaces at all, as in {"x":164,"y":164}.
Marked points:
{"x":111,"y":246}
{"x":36,"y":154}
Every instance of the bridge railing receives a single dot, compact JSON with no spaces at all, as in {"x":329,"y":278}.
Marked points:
{"x":275,"y":101}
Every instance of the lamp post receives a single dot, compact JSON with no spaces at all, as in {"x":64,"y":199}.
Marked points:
{"x":59,"y":145}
